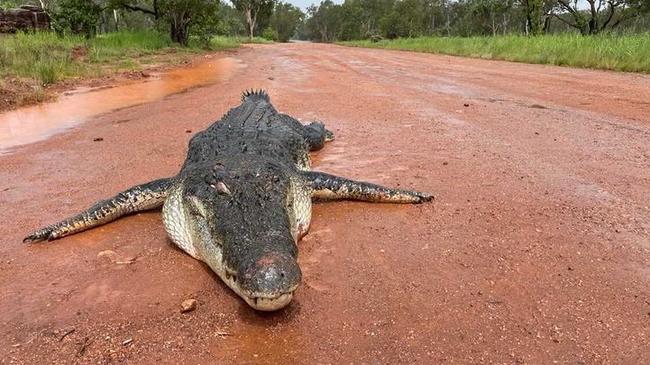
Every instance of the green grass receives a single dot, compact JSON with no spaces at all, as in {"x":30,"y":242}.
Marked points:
{"x":110,"y":46}
{"x":49,"y":58}
{"x":256,"y":40}
{"x":219,"y":43}
{"x":609,"y":52}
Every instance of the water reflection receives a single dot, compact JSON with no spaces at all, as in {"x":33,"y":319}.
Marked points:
{"x":35,"y":123}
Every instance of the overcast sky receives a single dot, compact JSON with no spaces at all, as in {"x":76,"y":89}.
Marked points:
{"x":303,"y":4}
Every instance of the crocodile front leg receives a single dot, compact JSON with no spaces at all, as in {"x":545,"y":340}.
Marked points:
{"x":147,"y":196}
{"x":326,"y":186}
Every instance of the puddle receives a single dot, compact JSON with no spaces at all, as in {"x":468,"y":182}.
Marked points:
{"x":35,"y":123}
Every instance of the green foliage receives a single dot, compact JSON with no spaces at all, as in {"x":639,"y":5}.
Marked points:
{"x":285,"y":21}
{"x":603,"y":15}
{"x":256,"y":13}
{"x":49,"y":58}
{"x":324,"y":21}
{"x":230,"y":21}
{"x":183,"y":14}
{"x":406,"y":19}
{"x":220,"y":43}
{"x":270,"y":34}
{"x":43,"y":56}
{"x":10,"y":4}
{"x":180,"y":15}
{"x":363,"y":19}
{"x":622,"y":53}
{"x":77,"y":17}
{"x":111,"y":46}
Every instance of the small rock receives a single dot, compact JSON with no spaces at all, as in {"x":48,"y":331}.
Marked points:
{"x":127,"y":341}
{"x":188,"y":131}
{"x":271,"y":78}
{"x":98,"y":139}
{"x":145,"y":74}
{"x":188,"y":305}
{"x":111,"y":255}
{"x":466,"y":105}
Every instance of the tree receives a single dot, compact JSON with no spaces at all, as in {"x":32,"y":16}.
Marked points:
{"x":77,"y":16}
{"x":253,"y":10}
{"x":285,"y":20}
{"x":230,"y":21}
{"x":538,"y":15}
{"x":407,"y":19}
{"x":149,"y":7}
{"x":325,"y":21}
{"x":600,"y":15}
{"x":181,"y":15}
{"x":487,"y":17}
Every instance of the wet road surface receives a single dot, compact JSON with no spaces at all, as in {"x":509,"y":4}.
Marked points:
{"x":535,"y":250}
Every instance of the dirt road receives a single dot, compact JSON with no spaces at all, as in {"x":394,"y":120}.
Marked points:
{"x":535,"y":250}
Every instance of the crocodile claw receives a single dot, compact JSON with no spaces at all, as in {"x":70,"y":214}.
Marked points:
{"x":45,"y":234}
{"x":424,"y":197}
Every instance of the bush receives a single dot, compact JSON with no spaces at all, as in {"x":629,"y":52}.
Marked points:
{"x":270,"y":34}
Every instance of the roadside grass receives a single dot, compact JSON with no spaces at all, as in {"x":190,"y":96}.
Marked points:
{"x":610,"y":52}
{"x":255,"y":40}
{"x":49,"y":58}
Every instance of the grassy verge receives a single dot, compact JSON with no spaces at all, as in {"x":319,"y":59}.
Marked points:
{"x":49,"y":58}
{"x":621,"y":53}
{"x":221,"y":42}
{"x":29,"y":61}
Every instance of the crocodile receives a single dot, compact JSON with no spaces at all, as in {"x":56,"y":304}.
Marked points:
{"x":242,"y":200}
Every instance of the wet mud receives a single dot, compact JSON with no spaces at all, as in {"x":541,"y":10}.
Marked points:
{"x":34,"y":123}
{"x":536,"y":249}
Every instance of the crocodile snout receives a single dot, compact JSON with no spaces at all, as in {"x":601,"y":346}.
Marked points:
{"x":270,"y":276}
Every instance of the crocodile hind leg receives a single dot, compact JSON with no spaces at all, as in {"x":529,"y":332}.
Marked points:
{"x":316,"y":135}
{"x":326,"y":186}
{"x":138,"y":198}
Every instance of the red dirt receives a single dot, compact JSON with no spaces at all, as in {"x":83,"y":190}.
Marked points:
{"x":536,"y":249}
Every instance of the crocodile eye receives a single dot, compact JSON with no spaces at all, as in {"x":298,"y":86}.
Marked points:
{"x":221,"y":188}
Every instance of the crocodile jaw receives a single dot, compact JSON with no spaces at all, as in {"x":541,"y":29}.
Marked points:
{"x":270,"y":304}
{"x":261,"y":303}
{"x":177,"y":224}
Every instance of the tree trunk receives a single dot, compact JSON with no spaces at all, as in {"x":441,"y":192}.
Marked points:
{"x":156,"y":14}
{"x":179,"y":29}
{"x":547,"y":24}
{"x":251,"y":21}
{"x":117,"y":20}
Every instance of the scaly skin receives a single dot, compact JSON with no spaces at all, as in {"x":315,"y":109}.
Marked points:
{"x":147,"y":196}
{"x":326,"y":186}
{"x":242,"y":200}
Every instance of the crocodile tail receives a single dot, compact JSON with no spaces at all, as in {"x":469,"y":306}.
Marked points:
{"x":255,"y":95}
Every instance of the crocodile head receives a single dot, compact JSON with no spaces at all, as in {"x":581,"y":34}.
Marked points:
{"x":238,"y":224}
